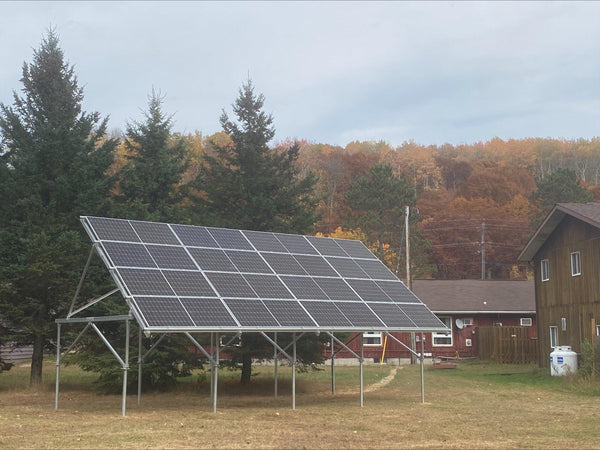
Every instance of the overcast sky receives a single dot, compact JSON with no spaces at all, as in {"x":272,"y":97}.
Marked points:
{"x":331,"y":72}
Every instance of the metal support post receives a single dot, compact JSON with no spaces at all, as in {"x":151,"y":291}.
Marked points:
{"x":212,"y":368}
{"x":275,"y":364}
{"x":294,"y":373}
{"x":422,"y":364}
{"x":140,"y":366}
{"x":332,"y":368}
{"x":125,"y":368}
{"x":57,"y":365}
{"x":217,"y":354}
{"x":361,"y":371}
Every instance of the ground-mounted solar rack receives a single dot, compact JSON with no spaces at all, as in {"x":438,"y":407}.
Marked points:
{"x":191,"y":279}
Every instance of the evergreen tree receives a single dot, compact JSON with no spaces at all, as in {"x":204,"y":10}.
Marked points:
{"x":245,"y":184}
{"x":53,"y":164}
{"x":157,"y":159}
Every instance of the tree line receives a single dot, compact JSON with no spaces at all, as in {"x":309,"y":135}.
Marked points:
{"x":58,"y":162}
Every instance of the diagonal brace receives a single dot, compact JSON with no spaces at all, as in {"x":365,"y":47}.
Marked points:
{"x":343,"y":345}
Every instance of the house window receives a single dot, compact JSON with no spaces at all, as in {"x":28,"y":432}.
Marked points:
{"x":440,"y":339}
{"x":597,"y":330}
{"x":575,"y":264}
{"x":525,"y":321}
{"x":553,"y":337}
{"x":545,"y":265}
{"x":372,"y":338}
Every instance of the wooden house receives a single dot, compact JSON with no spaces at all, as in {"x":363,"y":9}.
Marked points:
{"x":463,"y":305}
{"x":565,"y":253}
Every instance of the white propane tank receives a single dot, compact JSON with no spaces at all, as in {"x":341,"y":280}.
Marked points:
{"x":563,"y":361}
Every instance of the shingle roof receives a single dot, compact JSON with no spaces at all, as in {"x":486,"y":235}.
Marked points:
{"x":476,"y":296}
{"x":586,"y":212}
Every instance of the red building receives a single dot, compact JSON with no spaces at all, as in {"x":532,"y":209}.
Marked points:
{"x":463,"y":305}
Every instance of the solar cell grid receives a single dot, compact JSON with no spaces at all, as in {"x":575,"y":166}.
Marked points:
{"x":355,"y":249}
{"x":316,"y":266}
{"x":421,"y":316}
{"x":391,"y":315}
{"x":267,"y":286}
{"x":230,"y":285}
{"x":194,"y":236}
{"x":326,"y":246}
{"x":369,"y":291}
{"x":251,"y":313}
{"x":326,"y":314}
{"x":376,"y":269}
{"x":359,"y":314}
{"x":264,"y":242}
{"x":154,"y":233}
{"x":289,"y":313}
{"x":190,"y":284}
{"x":230,"y":239}
{"x":337,"y":289}
{"x":145,"y":282}
{"x":283,"y":264}
{"x":296,"y":244}
{"x":304,"y":288}
{"x":212,"y":259}
{"x":397,"y":291}
{"x":113,"y":229}
{"x":171,"y":257}
{"x":206,"y":312}
{"x":128,"y":255}
{"x":249,"y":262}
{"x":347,"y":268}
{"x":163,"y":312}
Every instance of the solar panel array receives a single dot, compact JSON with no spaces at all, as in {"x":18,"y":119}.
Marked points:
{"x":182,"y":277}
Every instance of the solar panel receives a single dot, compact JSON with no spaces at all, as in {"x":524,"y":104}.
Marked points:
{"x":183,"y":277}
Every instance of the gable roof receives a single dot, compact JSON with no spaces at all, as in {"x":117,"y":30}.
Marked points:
{"x":586,"y":212}
{"x":476,"y":296}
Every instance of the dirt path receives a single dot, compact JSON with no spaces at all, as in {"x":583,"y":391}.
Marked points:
{"x":384,"y":381}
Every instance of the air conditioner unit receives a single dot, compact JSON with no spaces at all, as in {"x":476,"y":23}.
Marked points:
{"x":468,"y":322}
{"x":525,"y":321}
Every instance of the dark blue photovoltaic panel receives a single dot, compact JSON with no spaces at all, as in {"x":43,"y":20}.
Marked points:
{"x":265,"y":242}
{"x":421,"y":316}
{"x":337,"y":289}
{"x":195,"y":236}
{"x":316,"y":266}
{"x":289,"y":313}
{"x":376,"y":269}
{"x":189,"y":284}
{"x":230,"y":285}
{"x":163,"y":312}
{"x":267,"y":286}
{"x":355,"y":249}
{"x":326,"y":246}
{"x":326,"y":314}
{"x":212,"y":259}
{"x":359,"y":314}
{"x":304,"y":288}
{"x":248,"y":262}
{"x":231,"y":239}
{"x":113,"y":229}
{"x":171,"y":257}
{"x":207,"y":312}
{"x":145,"y":282}
{"x":388,"y":312}
{"x":347,"y":268}
{"x":154,"y":233}
{"x":128,"y":255}
{"x":251,"y":313}
{"x":398,"y":292}
{"x":369,"y":291}
{"x":296,"y":244}
{"x":284,"y":264}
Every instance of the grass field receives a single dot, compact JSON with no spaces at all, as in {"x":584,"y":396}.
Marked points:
{"x":477,"y":405}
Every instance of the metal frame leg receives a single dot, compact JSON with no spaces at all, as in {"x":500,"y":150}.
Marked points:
{"x":57,"y":365}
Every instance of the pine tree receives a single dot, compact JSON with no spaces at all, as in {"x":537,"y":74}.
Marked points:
{"x":53,"y":163}
{"x":157,"y":159}
{"x":248,"y":185}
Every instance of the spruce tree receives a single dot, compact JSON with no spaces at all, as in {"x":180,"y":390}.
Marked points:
{"x":248,"y":185}
{"x":54,"y":159}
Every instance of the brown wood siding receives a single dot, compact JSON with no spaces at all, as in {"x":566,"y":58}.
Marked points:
{"x":576,"y":298}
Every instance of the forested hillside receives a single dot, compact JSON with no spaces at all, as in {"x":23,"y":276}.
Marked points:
{"x":465,"y":193}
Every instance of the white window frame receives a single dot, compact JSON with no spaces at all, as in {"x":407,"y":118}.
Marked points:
{"x":597,"y":330}
{"x":553,"y":336}
{"x":575,"y":264}
{"x":525,"y":321}
{"x":439,"y":339}
{"x":545,"y":269}
{"x":372,"y":338}
{"x":497,"y":323}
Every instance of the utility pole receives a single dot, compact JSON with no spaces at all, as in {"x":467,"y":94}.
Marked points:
{"x":408,"y":279}
{"x":483,"y":250}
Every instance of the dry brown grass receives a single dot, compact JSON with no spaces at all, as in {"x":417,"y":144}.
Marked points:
{"x":465,"y":408}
